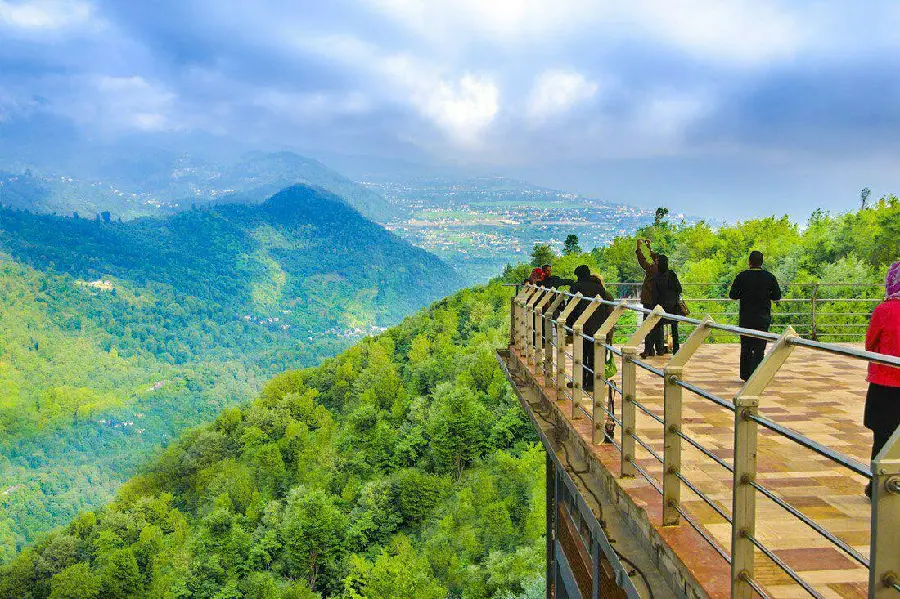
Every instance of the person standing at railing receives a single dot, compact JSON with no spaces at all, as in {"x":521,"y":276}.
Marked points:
{"x":589,"y":286}
{"x":882,"y":415}
{"x":756,"y":289}
{"x":665,"y":292}
{"x":651,"y":269}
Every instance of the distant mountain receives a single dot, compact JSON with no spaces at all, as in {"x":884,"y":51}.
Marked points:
{"x":114,"y":336}
{"x":149,"y":181}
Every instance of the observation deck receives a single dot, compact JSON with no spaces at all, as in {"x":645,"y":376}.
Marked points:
{"x":707,"y":486}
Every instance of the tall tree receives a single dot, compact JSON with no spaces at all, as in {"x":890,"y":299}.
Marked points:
{"x":542,"y":254}
{"x":660,"y":217}
{"x":571,"y":246}
{"x":864,"y":194}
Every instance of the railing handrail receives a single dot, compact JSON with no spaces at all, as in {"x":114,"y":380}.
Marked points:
{"x":722,"y":284}
{"x":832,"y":348}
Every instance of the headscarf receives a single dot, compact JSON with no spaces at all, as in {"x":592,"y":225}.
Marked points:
{"x":892,"y":281}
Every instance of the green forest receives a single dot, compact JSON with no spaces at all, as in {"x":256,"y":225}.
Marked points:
{"x":403,"y":467}
{"x":117,"y":336}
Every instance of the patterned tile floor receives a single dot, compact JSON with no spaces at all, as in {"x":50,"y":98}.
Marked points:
{"x":819,"y":395}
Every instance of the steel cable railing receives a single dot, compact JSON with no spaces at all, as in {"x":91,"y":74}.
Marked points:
{"x":744,"y":412}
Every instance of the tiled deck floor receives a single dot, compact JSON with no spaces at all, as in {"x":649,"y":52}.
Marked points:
{"x":819,"y":395}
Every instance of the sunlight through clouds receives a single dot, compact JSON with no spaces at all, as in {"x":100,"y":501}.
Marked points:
{"x":555,"y":92}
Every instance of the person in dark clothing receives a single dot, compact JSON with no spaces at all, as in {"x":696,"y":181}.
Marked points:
{"x":665,"y":292}
{"x":756,"y":289}
{"x":651,"y":269}
{"x":551,"y":281}
{"x":589,"y":286}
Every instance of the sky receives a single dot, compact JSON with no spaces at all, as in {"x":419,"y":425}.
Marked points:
{"x":730,"y":109}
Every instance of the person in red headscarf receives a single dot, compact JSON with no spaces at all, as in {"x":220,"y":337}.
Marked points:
{"x":537,"y":275}
{"x":882,"y":414}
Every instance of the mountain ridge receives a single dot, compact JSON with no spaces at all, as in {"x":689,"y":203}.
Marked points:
{"x":157,"y":182}
{"x":187,"y":314}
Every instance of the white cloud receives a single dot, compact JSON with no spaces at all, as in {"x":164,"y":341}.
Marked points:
{"x":461,"y":106}
{"x":43,"y":15}
{"x":504,"y":19}
{"x":556,"y":92}
{"x":737,"y":31}
{"x":664,"y":118}
{"x":116,"y":103}
{"x":734,"y":31}
{"x":310,"y":107}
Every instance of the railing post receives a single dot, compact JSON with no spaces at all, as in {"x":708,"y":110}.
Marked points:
{"x":600,"y":371}
{"x":578,"y":361}
{"x":884,"y":567}
{"x":515,"y":310}
{"x":629,"y":389}
{"x":672,"y":394}
{"x":548,"y":342}
{"x":538,"y":356}
{"x":520,"y":316}
{"x":577,"y":373}
{"x":512,"y":320}
{"x":629,"y":417}
{"x":743,"y":508}
{"x":561,"y":346}
{"x":530,"y":340}
{"x":815,"y":294}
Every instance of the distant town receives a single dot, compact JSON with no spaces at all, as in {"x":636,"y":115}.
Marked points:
{"x":480,"y":225}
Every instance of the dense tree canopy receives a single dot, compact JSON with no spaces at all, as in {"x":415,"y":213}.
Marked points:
{"x":402,"y":467}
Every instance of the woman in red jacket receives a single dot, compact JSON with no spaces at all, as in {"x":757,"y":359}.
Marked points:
{"x":882,"y":415}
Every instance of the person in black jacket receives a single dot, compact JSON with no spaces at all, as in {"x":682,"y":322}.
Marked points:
{"x":665,"y":292}
{"x":756,"y":289}
{"x":589,"y":286}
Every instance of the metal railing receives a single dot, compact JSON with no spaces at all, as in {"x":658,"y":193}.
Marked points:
{"x":827,"y":311}
{"x":539,"y":330}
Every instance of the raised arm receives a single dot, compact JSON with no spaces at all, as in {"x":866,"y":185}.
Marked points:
{"x":640,"y":257}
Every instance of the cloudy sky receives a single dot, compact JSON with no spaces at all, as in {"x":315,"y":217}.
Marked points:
{"x":714,"y":107}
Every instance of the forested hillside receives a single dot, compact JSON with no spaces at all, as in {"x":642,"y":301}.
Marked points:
{"x":116,"y":336}
{"x":402,"y":468}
